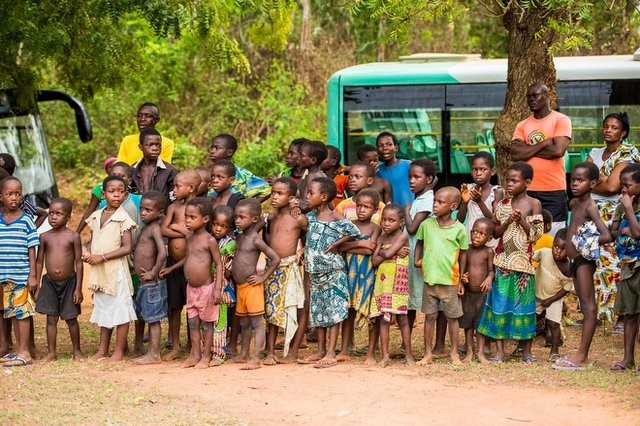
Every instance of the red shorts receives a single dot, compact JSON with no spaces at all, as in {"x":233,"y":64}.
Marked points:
{"x":200,"y":303}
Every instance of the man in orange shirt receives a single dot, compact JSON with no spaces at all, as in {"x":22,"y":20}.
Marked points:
{"x":542,"y":140}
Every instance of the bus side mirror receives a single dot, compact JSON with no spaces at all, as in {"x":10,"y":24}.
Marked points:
{"x":83,"y":122}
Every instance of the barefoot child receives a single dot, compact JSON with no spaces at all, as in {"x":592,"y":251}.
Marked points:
{"x":250,"y":306}
{"x":441,"y":248}
{"x":585,"y":233}
{"x":553,"y":283}
{"x":222,"y":231}
{"x":477,"y":277}
{"x":223,"y":174}
{"x":204,"y":288}
{"x":326,"y":268}
{"x":284,"y":290}
{"x":109,"y":278}
{"x":391,"y":292}
{"x":422,"y":179}
{"x":173,"y":227}
{"x":626,"y":227}
{"x":360,"y":271}
{"x":148,"y":259}
{"x":510,"y":309}
{"x":60,"y":295}
{"x":360,"y":177}
{"x":18,"y":242}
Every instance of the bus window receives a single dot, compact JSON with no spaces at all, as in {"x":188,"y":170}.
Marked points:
{"x":413,"y":116}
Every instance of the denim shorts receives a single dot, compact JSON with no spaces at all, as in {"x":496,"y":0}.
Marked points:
{"x":151,"y":301}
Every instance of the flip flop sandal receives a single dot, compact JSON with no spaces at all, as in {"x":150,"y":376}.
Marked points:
{"x":18,"y":361}
{"x":497,"y":360}
{"x":529,"y":359}
{"x":325,"y":364}
{"x":620,"y":366}
{"x":8,"y":357}
{"x":564,"y":364}
{"x":554,"y":357}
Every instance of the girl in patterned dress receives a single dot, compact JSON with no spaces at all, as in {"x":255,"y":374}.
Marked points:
{"x":391,"y":291}
{"x":326,"y":268}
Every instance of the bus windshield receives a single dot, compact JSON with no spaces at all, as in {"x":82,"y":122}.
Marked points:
{"x":23,"y":137}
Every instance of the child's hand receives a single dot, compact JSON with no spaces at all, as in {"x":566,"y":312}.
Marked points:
{"x":626,"y":200}
{"x":465,"y":278}
{"x":367,"y":244}
{"x":403,"y":252}
{"x":256,"y":279}
{"x":164,"y":272}
{"x":460,"y":290}
{"x":146,"y":276}
{"x":77,"y":297}
{"x":626,"y":231}
{"x":93,"y":259}
{"x":226,"y":298}
{"x":475,"y":194}
{"x":417,"y":263}
{"x":545,"y":303}
{"x":486,"y":285}
{"x":515,"y":216}
{"x":33,"y":284}
{"x":333,"y":248}
{"x":217,"y":296}
{"x":464,"y":193}
{"x":295,"y":212}
{"x":271,"y":179}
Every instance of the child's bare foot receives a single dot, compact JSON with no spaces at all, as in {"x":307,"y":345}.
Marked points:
{"x":439,"y":353}
{"x":455,"y":359}
{"x":147,"y":359}
{"x":173,"y":354}
{"x":482,"y":359}
{"x":139,"y":349}
{"x":238,"y":360}
{"x":202,"y":364}
{"x":311,"y":359}
{"x":383,"y":362}
{"x":98,"y":356}
{"x":326,"y":362}
{"x":370,"y":360}
{"x":289,"y":359}
{"x":191,"y":361}
{"x":113,"y":359}
{"x":79,"y":356}
{"x":409,"y":360}
{"x":343,"y":357}
{"x":426,"y":360}
{"x":270,"y":360}
{"x":468,"y":357}
{"x":50,"y":357}
{"x":215,"y":362}
{"x":253,"y":364}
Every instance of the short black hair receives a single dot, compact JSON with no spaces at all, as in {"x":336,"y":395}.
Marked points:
{"x":113,"y":178}
{"x":66,"y":204}
{"x":8,"y":163}
{"x":291,"y":184}
{"x":229,"y":141}
{"x":525,"y":169}
{"x":317,"y":150}
{"x":547,"y":217}
{"x":202,"y":204}
{"x":327,"y":186}
{"x":4,"y":181}
{"x":334,"y":153}
{"x":150,"y":105}
{"x":387,"y":134}
{"x":227,"y":165}
{"x":3,"y":173}
{"x":428,"y":166}
{"x":593,"y":173}
{"x":487,"y":222}
{"x":149,"y":131}
{"x":223,"y":210}
{"x":634,"y":170}
{"x":252,"y":204}
{"x":368,"y":192}
{"x":395,"y":207}
{"x":365,"y":149}
{"x":158,"y":198}
{"x":561,"y":235}
{"x":484,"y":155}
{"x":125,"y":166}
{"x":298,"y":142}
{"x":371,"y":172}
{"x":623,"y":118}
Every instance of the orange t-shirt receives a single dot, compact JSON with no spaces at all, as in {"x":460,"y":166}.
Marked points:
{"x":341,"y":181}
{"x":548,"y":174}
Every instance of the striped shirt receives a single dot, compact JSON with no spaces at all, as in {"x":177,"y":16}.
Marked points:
{"x":16,"y":238}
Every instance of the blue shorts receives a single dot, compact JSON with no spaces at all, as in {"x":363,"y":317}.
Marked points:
{"x":151,"y":301}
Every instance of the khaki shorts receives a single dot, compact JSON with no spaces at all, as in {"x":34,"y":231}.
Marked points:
{"x":553,"y":312}
{"x":447,"y":294}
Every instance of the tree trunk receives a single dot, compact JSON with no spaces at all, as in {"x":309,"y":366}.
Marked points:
{"x":305,"y":36}
{"x":529,"y":62}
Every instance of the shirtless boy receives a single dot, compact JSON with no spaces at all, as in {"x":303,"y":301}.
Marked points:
{"x":250,"y":293}
{"x":149,"y":256}
{"x":173,"y":227}
{"x":60,"y":294}
{"x":223,"y":173}
{"x":204,"y":288}
{"x":283,"y":233}
{"x":584,"y":177}
{"x":477,"y":277}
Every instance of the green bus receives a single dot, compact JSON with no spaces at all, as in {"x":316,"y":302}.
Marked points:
{"x":444,"y":106}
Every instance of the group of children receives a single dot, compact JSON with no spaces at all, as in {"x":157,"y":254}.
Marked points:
{"x":343,"y":248}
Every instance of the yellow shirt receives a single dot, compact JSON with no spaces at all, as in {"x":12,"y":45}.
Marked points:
{"x":106,"y":239}
{"x":130,"y":152}
{"x":545,"y":241}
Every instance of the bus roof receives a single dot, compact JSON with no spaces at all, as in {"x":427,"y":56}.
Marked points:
{"x":482,"y":71}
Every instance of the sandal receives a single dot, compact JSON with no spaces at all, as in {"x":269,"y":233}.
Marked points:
{"x":497,"y":359}
{"x":517,"y":353}
{"x":529,"y":359}
{"x":554,"y":357}
{"x":620,"y":366}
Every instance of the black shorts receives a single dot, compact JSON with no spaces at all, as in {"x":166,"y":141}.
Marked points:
{"x":554,"y":201}
{"x":472,"y":307}
{"x":577,"y":262}
{"x":56,"y":298}
{"x":176,"y":287}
